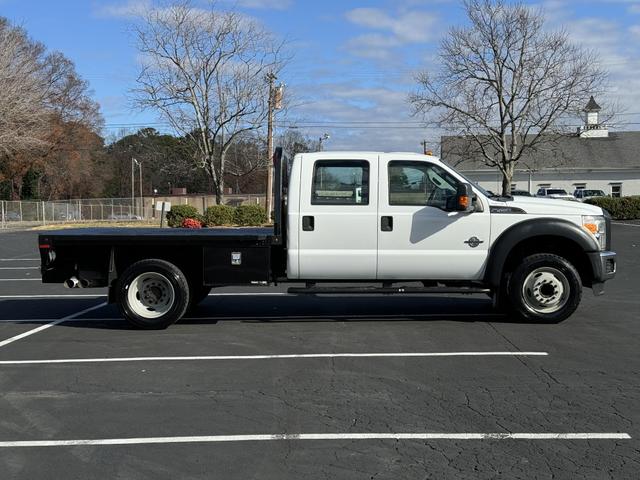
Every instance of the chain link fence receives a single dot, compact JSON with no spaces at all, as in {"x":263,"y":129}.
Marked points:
{"x":20,"y":214}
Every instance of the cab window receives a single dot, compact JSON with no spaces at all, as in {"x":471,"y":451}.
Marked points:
{"x":340,"y":182}
{"x":421,"y":184}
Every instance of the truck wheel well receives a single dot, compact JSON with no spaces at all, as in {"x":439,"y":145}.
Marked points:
{"x":187,"y":260}
{"x":561,"y":246}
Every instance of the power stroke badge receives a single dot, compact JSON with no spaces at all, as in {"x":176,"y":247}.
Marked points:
{"x":473,"y":242}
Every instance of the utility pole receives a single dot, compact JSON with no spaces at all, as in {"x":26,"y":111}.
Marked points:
{"x":275,"y":103}
{"x":271,"y":78}
{"x":424,"y":146}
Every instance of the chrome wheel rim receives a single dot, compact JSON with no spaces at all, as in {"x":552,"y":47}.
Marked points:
{"x":545,"y":290}
{"x":151,"y":295}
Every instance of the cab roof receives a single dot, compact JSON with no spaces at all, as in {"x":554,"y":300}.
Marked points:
{"x":346,"y":154}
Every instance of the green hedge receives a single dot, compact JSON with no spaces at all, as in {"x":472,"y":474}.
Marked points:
{"x":622,"y":208}
{"x":250,"y":215}
{"x":179,"y":212}
{"x":245,"y":215}
{"x":219,"y":215}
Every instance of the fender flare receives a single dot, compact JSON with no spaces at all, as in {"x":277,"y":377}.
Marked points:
{"x":537,"y":227}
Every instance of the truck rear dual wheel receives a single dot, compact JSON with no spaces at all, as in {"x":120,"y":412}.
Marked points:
{"x":544,"y":288}
{"x":153,"y":294}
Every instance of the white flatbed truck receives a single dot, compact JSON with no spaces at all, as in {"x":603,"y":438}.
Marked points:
{"x":386,"y":219}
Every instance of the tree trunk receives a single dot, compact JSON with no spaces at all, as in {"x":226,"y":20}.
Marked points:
{"x":507,"y":178}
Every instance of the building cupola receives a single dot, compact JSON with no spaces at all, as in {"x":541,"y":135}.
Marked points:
{"x":592,"y":127}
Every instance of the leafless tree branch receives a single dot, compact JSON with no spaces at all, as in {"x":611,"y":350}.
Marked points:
{"x":507,"y":84}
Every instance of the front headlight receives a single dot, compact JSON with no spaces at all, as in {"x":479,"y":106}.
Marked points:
{"x":597,"y":226}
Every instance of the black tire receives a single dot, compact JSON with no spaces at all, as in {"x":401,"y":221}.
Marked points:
{"x":544,"y":288}
{"x":171,"y":289}
{"x":197,"y":295}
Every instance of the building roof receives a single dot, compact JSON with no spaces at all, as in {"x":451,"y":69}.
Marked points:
{"x":592,"y":106}
{"x":618,"y":150}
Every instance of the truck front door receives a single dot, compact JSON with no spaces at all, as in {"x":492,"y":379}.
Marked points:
{"x":418,"y":238}
{"x":338,"y":218}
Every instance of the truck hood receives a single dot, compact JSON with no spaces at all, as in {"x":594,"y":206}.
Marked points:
{"x":549,"y":206}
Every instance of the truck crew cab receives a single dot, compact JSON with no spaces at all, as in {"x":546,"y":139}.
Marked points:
{"x":355,"y":217}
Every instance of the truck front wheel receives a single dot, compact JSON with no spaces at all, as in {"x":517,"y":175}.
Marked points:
{"x":153,"y":294}
{"x":544,"y":288}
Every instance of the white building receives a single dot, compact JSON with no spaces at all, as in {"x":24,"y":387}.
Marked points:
{"x":593,"y":158}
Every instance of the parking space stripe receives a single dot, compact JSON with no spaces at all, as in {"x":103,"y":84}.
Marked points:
{"x":19,"y":259}
{"x":627,"y":224}
{"x":249,"y":294}
{"x":19,"y":268}
{"x":317,"y":436}
{"x":49,"y":325}
{"x":35,"y":297}
{"x":273,"y":357}
{"x":20,"y":280}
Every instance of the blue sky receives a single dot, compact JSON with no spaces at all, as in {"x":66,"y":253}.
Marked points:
{"x":354,"y":61}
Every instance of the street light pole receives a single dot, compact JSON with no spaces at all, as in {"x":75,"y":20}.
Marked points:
{"x":326,"y":136}
{"x":141,"y":197}
{"x":133,"y":188}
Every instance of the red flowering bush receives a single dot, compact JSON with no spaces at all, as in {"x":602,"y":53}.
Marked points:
{"x":191,"y":223}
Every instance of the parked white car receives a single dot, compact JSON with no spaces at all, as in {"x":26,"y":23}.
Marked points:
{"x":557,"y":193}
{"x":584,"y":194}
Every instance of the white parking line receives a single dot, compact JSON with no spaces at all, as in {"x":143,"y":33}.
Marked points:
{"x":35,"y":297}
{"x":318,"y":436}
{"x":627,"y":224}
{"x":273,"y":357}
{"x":49,"y":325}
{"x":19,"y":268}
{"x":19,"y":259}
{"x":249,"y":294}
{"x":20,"y":280}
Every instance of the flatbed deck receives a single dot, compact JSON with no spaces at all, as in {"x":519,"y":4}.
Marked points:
{"x":115,"y":236}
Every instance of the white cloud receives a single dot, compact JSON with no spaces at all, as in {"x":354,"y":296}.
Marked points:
{"x":265,"y":4}
{"x":411,"y":26}
{"x":131,"y":8}
{"x":389,"y":31}
{"x":635,"y":30}
{"x":372,"y":46}
{"x":351,"y":111}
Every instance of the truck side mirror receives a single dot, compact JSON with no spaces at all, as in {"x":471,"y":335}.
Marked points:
{"x":463,"y":201}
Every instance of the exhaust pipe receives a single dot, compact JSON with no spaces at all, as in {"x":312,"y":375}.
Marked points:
{"x":73,"y":282}
{"x":84,"y":283}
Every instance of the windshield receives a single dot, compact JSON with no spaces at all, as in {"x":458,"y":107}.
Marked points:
{"x":556,"y":191}
{"x":593,"y":193}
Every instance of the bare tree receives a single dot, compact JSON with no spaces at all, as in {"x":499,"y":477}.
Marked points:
{"x":23,"y":115}
{"x":205,"y":70}
{"x":48,"y":121}
{"x":507,"y":84}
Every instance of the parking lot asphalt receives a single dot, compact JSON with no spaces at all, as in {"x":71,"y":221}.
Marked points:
{"x":259,"y":384}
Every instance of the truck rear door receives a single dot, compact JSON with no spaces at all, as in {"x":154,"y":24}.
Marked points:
{"x":338,"y":217}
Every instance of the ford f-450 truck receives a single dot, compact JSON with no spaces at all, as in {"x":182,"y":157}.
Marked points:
{"x":376,"y":220}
